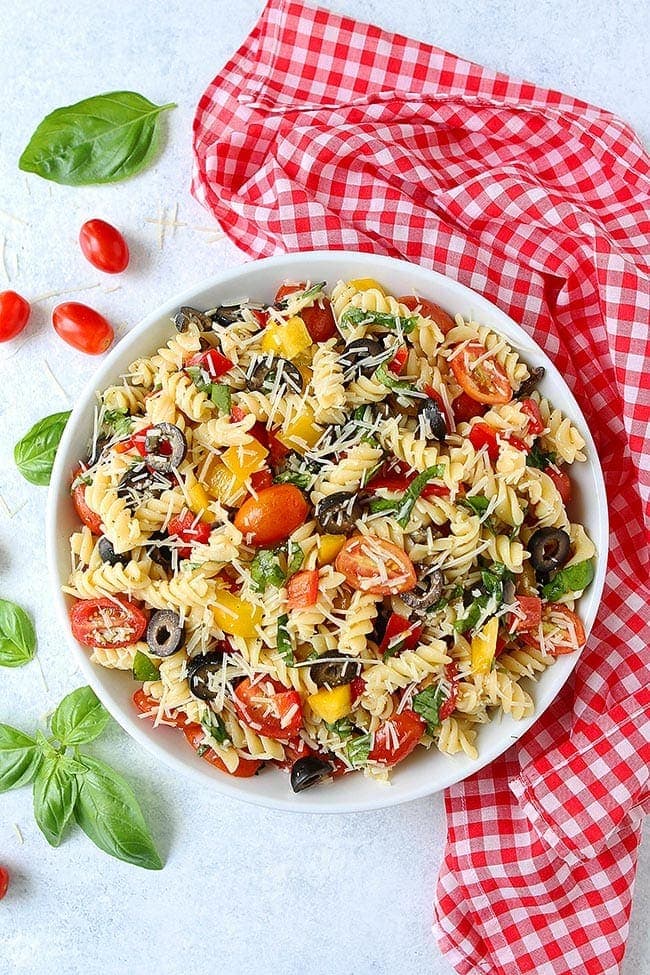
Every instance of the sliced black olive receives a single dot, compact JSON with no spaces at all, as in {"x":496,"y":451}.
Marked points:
{"x":549,"y":549}
{"x":309,"y":771}
{"x":165,"y":446}
{"x":337,"y":514}
{"x":108,"y":554}
{"x":530,"y":384}
{"x":427,"y":591}
{"x":227,"y":314}
{"x":164,"y":633}
{"x":139,"y":482}
{"x":431,"y":421}
{"x":381,"y":621}
{"x":199,"y":671}
{"x":161,"y":554}
{"x":335,"y":669}
{"x":361,"y":357}
{"x":187,"y":316}
{"x":276,"y":373}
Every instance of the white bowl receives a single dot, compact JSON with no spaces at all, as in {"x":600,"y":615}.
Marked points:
{"x":425,"y":772}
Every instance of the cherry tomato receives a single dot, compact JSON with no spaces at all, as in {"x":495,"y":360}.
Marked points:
{"x":82,"y":327}
{"x":465,"y":408}
{"x":302,"y":589}
{"x":289,"y":288}
{"x":559,"y":624}
{"x":486,"y":382}
{"x":4,"y":881}
{"x":400,"y":634}
{"x":14,"y":315}
{"x":273,"y":515}
{"x":189,"y":528}
{"x":104,"y":246}
{"x":427,"y":309}
{"x":532,"y":411}
{"x":448,"y":706}
{"x":529,"y":614}
{"x":518,"y":443}
{"x":212,"y":362}
{"x":195,"y":734}
{"x":375,"y":566}
{"x":261,"y":479}
{"x":146,"y":704}
{"x":89,"y":517}
{"x":319,"y":320}
{"x":107,"y":622}
{"x":483,"y":435}
{"x":269,"y":708}
{"x":394,"y":743}
{"x":562,"y":482}
{"x":357,"y":687}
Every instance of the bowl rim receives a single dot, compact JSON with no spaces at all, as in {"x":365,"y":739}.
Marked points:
{"x":377,"y":797}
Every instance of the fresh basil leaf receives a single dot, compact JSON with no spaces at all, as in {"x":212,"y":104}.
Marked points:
{"x":295,"y":558}
{"x":20,"y":758}
{"x":55,"y":793}
{"x":109,"y":814}
{"x":413,"y":492}
{"x":285,"y":643}
{"x":144,"y":668}
{"x":301,"y":479}
{"x":491,"y":583}
{"x":358,"y":749}
{"x":427,"y":704}
{"x":354,"y":316}
{"x":117,"y":422}
{"x":102,"y":139}
{"x":266,"y":570}
{"x":383,"y":376}
{"x":199,"y":377}
{"x":17,"y":635}
{"x":342,"y":727}
{"x":537,"y":458}
{"x":476,"y":503}
{"x":80,"y":717}
{"x":473,"y":615}
{"x":382,"y":504}
{"x":573,"y":578}
{"x":34,"y":453}
{"x":221,"y":396}
{"x":214,"y":726}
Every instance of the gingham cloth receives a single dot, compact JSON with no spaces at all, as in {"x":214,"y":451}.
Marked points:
{"x":324,"y":132}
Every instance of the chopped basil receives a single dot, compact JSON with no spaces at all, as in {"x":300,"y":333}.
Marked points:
{"x":404,"y":506}
{"x":144,"y":668}
{"x":427,"y":705}
{"x":214,"y":727}
{"x":342,"y":727}
{"x":537,"y":458}
{"x":221,"y":396}
{"x":295,"y":557}
{"x":476,"y":503}
{"x":300,"y":296}
{"x":573,"y":578}
{"x":358,"y":749}
{"x":266,"y":570}
{"x":473,"y":615}
{"x":285,"y":643}
{"x":383,"y":376}
{"x":117,"y":422}
{"x":199,"y":377}
{"x":355,"y":316}
{"x":301,"y":479}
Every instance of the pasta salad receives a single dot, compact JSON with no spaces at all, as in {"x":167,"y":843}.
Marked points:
{"x":322,"y":532}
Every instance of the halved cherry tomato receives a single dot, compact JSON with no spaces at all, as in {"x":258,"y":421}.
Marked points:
{"x":189,"y":528}
{"x":289,"y":288}
{"x":195,"y":734}
{"x":393,"y":744}
{"x":486,"y":382}
{"x":562,"y":482}
{"x":104,"y":246}
{"x":147,"y":704}
{"x":212,"y":362}
{"x":532,"y":411}
{"x":558,"y":622}
{"x":82,"y":327}
{"x":104,"y":622}
{"x":261,"y":479}
{"x":427,"y":309}
{"x":531,"y":608}
{"x":4,"y":881}
{"x":273,"y":515}
{"x":302,"y":589}
{"x":448,"y":706}
{"x":395,"y":626}
{"x":483,"y":435}
{"x":14,"y":314}
{"x":269,"y":708}
{"x":357,"y":687}
{"x":319,"y":320}
{"x":89,"y":517}
{"x":375,"y":566}
{"x":465,"y":408}
{"x":397,"y":363}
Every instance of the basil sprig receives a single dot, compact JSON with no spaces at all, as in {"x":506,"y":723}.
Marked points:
{"x":34,"y":454}
{"x":69,"y":783}
{"x":427,"y":704}
{"x":17,"y":635}
{"x":573,"y":578}
{"x":102,"y":139}
{"x":354,"y":316}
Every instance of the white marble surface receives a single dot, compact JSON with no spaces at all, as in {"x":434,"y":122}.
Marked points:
{"x":243,"y":888}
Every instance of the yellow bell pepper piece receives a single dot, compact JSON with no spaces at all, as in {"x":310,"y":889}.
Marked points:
{"x":199,"y":500}
{"x":333,"y":704}
{"x":484,"y":644}
{"x":301,"y":431}
{"x":244,"y":460}
{"x":236,"y":616}
{"x":367,"y":284}
{"x":287,"y":339}
{"x":222,"y":484}
{"x":329,"y":547}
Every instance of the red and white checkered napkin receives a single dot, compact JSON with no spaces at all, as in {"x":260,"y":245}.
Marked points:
{"x":323,"y":132}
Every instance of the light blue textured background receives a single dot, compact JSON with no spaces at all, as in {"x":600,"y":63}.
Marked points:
{"x":245,"y":890}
